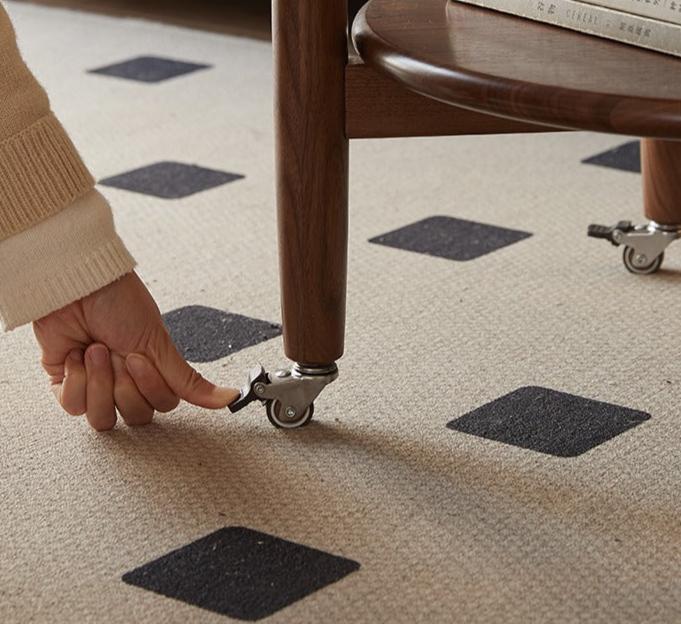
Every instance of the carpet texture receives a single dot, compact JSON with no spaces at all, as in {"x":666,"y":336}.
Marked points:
{"x":484,"y":305}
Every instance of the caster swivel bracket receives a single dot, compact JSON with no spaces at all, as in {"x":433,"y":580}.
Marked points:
{"x":288,"y":394}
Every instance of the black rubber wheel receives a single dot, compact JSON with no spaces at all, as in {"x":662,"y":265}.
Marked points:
{"x":280,"y":421}
{"x":646,"y":269}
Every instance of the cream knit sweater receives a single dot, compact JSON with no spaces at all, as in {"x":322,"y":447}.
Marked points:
{"x":57,"y":236}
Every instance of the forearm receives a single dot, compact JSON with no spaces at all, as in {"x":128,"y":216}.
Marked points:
{"x":57,"y":237}
{"x":40,"y":170}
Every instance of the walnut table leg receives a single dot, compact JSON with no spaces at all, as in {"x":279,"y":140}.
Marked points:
{"x":310,"y":49}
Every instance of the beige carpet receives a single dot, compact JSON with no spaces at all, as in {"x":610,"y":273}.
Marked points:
{"x":446,"y":526}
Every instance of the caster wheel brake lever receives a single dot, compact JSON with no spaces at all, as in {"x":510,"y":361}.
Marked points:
{"x":609,"y":232}
{"x":257,"y":375}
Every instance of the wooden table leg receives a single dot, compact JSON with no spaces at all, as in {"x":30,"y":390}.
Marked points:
{"x":661,"y":168}
{"x":310,"y":51}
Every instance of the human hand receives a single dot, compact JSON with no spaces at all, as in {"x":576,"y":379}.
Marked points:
{"x":111,"y":350}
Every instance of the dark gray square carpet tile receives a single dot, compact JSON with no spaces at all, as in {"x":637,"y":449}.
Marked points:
{"x":149,"y":69}
{"x":548,"y":421}
{"x":170,"y":180}
{"x":241,"y":573}
{"x":626,"y":157}
{"x":204,"y":334}
{"x":447,"y":237}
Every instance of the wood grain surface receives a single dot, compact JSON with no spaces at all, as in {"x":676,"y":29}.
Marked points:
{"x":516,"y":68}
{"x":661,"y":168}
{"x":310,"y":49}
{"x":377,"y":106}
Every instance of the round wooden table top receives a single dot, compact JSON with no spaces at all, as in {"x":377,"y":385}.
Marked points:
{"x":513,"y":67}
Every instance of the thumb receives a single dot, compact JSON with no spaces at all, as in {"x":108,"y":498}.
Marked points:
{"x":185,"y":381}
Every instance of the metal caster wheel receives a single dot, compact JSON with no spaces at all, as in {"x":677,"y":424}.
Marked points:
{"x":644,"y":245}
{"x":288,"y":394}
{"x":287,"y":419}
{"x":639,"y":263}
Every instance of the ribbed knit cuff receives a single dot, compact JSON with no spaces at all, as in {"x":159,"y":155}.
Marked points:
{"x":40,"y":174}
{"x":60,"y":260}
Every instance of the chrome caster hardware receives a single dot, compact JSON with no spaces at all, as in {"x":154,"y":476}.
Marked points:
{"x":644,"y":245}
{"x":288,"y":394}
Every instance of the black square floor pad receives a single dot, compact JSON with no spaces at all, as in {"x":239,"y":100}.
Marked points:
{"x":625,"y":157}
{"x":149,"y":69}
{"x":548,"y":421}
{"x":241,"y":573}
{"x":170,"y":180}
{"x":451,"y":238}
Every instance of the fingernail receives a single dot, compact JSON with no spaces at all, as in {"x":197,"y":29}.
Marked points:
{"x":76,"y":356}
{"x":99,"y":355}
{"x":227,"y":394}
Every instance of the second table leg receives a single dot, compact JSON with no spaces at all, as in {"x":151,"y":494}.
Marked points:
{"x":661,"y":169}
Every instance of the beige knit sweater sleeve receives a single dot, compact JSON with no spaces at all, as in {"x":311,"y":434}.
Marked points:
{"x":57,"y":236}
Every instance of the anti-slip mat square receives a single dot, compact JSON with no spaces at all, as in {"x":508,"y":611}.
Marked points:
{"x":451,"y":238}
{"x":170,"y":180}
{"x":149,"y":69}
{"x":204,"y":334}
{"x":241,"y":573}
{"x":548,"y":421}
{"x":626,"y":157}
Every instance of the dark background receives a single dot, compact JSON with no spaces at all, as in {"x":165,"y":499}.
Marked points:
{"x":247,"y":18}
